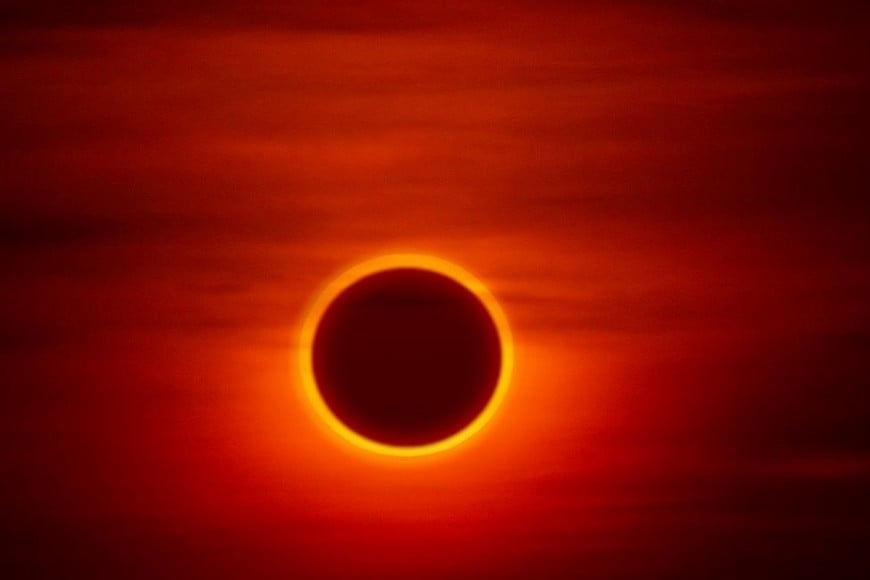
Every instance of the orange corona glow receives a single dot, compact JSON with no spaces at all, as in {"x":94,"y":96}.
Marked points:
{"x":389,"y":262}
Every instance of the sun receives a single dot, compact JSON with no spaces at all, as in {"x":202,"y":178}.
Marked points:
{"x":339,"y":284}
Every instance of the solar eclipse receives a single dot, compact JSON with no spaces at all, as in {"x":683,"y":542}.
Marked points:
{"x":405,"y":355}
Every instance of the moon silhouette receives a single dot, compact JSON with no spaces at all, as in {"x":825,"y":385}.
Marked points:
{"x":406,"y":355}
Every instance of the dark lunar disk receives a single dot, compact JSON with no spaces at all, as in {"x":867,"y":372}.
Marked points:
{"x":406,"y":356}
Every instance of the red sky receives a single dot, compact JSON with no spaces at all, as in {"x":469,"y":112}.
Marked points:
{"x":667,"y":198}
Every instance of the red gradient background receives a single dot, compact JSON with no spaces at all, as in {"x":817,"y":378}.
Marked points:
{"x":668,"y":198}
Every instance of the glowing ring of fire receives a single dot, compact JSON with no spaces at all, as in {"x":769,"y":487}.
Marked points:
{"x":390,"y":262}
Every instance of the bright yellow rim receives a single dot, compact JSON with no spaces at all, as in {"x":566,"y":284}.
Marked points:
{"x":389,"y":262}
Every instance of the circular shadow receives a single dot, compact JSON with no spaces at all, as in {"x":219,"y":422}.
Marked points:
{"x":406,"y":356}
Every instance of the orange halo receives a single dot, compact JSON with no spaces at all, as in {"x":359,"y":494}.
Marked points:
{"x":389,"y":262}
